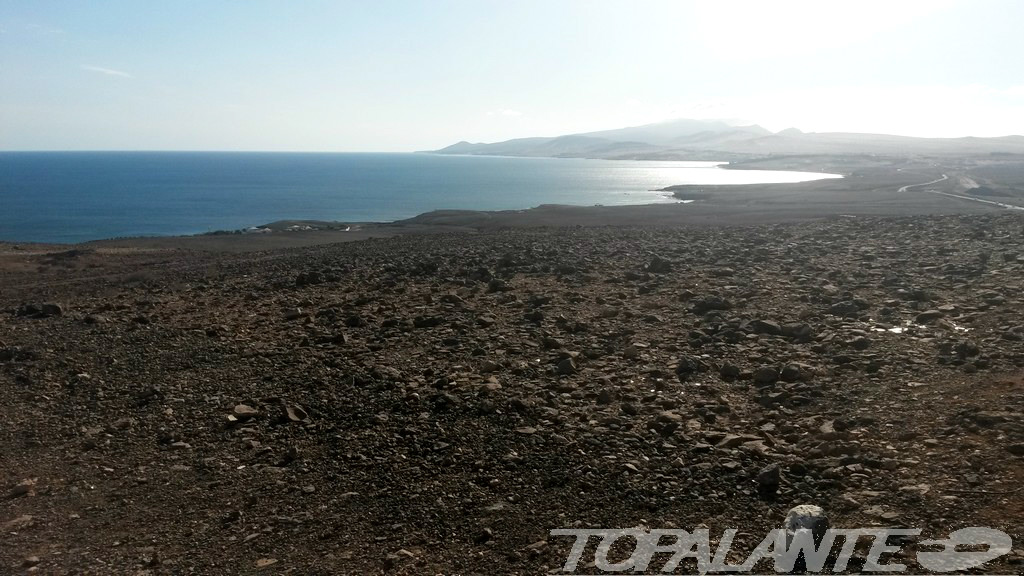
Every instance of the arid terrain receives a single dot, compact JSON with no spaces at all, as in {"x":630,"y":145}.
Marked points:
{"x":489,"y":288}
{"x":437,"y":404}
{"x":435,"y":396}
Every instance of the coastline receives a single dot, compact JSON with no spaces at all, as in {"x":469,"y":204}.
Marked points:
{"x":322,"y":186}
{"x":870,"y":186}
{"x":780,"y":204}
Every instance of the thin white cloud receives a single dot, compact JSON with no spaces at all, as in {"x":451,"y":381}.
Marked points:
{"x":107,"y":71}
{"x":505,"y":112}
{"x":40,"y":29}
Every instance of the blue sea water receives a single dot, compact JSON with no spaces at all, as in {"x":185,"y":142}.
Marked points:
{"x":80,"y":196}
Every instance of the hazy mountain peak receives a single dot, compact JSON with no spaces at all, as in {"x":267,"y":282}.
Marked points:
{"x":670,"y":131}
{"x":685,"y":138}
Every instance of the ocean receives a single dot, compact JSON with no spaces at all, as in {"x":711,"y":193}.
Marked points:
{"x":81,"y":196}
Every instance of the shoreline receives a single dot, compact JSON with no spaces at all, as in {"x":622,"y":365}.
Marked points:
{"x":710,"y":208}
{"x":869,"y":187}
{"x":32,"y":230}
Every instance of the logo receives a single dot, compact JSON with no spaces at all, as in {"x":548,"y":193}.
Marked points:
{"x":805,"y":545}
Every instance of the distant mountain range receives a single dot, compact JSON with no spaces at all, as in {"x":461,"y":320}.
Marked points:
{"x":719,"y":140}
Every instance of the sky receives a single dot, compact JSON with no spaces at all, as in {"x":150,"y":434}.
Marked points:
{"x":388,"y":75}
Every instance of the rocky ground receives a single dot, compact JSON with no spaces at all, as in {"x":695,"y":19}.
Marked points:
{"x":438,"y":404}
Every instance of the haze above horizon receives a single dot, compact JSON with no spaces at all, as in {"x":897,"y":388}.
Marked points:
{"x":403,"y":76}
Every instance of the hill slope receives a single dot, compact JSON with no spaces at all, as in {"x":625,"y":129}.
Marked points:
{"x":690,"y":138}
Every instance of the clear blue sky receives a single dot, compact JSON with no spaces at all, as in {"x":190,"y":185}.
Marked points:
{"x":400,"y":75}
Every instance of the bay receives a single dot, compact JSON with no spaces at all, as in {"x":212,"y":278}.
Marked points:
{"x":80,"y":196}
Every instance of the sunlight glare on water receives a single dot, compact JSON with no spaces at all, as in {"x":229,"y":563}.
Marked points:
{"x":88,"y":195}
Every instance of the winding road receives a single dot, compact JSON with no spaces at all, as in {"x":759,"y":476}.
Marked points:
{"x":973,"y":199}
{"x":909,"y":186}
{"x":960,"y":196}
